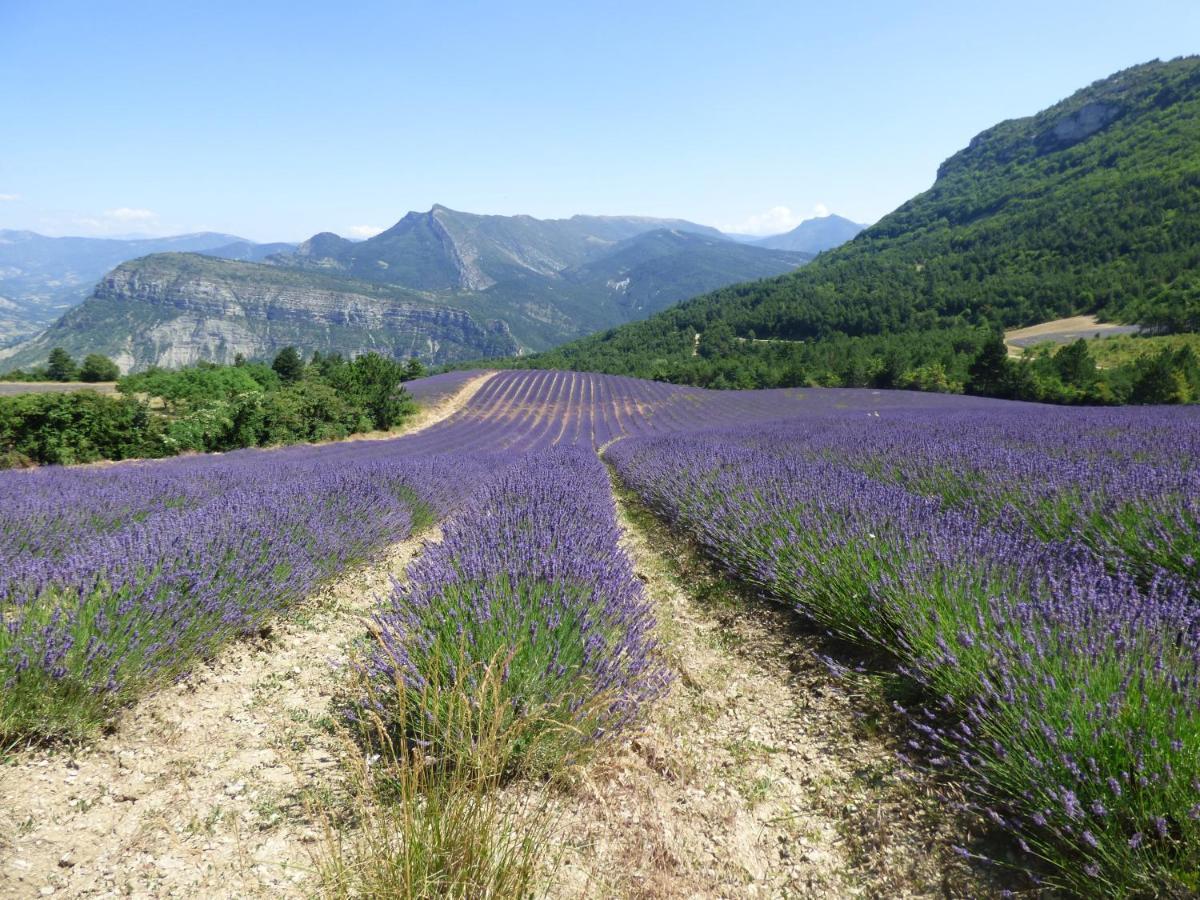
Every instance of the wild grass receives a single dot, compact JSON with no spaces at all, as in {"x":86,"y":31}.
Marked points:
{"x":430,"y":817}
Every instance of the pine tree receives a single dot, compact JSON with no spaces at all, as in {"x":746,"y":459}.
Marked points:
{"x":988,"y":375}
{"x":288,"y":365}
{"x":98,"y":368}
{"x":60,"y":366}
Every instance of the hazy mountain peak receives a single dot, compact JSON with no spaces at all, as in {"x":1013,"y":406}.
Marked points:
{"x":814,"y":235}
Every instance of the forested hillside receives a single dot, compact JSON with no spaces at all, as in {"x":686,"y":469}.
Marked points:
{"x":1091,"y":206}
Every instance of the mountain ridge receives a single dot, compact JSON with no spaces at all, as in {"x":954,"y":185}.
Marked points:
{"x":1077,"y":209}
{"x":41,"y":277}
{"x":546,"y":281}
{"x":177,"y":309}
{"x":447,"y":250}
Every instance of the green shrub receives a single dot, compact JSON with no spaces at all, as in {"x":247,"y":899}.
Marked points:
{"x":75,"y":428}
{"x":98,"y":368}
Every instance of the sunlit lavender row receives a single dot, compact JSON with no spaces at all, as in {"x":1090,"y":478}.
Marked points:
{"x":116,"y":578}
{"x":1062,"y":687}
{"x":529,"y":582}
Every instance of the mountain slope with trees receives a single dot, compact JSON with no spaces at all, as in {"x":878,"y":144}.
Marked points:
{"x":1090,"y":206}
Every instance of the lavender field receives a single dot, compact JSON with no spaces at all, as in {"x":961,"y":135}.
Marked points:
{"x":1032,"y":573}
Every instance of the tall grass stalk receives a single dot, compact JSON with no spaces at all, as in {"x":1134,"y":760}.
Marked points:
{"x":430,"y":816}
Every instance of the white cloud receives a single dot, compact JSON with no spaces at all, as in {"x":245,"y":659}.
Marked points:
{"x":364,"y":231}
{"x":9,"y":198}
{"x":775,"y":220}
{"x":125,"y":214}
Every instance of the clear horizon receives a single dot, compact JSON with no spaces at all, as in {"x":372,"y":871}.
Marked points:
{"x":277,"y":121}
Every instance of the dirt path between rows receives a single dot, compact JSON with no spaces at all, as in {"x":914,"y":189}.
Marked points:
{"x":438,"y":412}
{"x":200,"y":789}
{"x":758,"y":776}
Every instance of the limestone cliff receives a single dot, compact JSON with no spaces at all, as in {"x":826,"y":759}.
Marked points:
{"x":175,"y":309}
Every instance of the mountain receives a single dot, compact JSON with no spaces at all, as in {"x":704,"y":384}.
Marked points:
{"x":652,"y":271}
{"x":1091,"y":206}
{"x":630,"y":280}
{"x":447,"y":250}
{"x":814,"y":235}
{"x":246,"y":251}
{"x":506,"y":284}
{"x":42,"y":277}
{"x":173,"y":309}
{"x":551,"y":280}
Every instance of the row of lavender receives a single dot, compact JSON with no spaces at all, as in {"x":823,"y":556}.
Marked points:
{"x":1064,"y":685}
{"x":116,"y":579}
{"x":530,"y":594}
{"x":1126,"y":482}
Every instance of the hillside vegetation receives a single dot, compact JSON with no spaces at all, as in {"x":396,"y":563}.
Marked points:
{"x":1090,"y":206}
{"x":206,"y":408}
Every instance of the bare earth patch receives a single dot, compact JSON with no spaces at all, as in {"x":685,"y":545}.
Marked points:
{"x":1062,"y":331}
{"x":756,"y":777}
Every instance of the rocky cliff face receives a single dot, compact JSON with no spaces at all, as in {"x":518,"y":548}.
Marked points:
{"x":176,"y":309}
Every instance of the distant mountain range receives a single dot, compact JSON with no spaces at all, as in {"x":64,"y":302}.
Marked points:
{"x":1091,"y":206}
{"x":814,"y":235}
{"x":442,"y":285}
{"x":42,"y":277}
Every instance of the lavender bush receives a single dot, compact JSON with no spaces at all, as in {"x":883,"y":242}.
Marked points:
{"x":529,"y":580}
{"x":1125,"y":482}
{"x":1072,"y":692}
{"x":88,"y":621}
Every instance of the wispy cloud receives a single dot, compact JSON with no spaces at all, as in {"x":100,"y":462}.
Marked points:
{"x":112,"y":222}
{"x":364,"y":231}
{"x":775,"y":220}
{"x":9,"y":198}
{"x":126,"y":214}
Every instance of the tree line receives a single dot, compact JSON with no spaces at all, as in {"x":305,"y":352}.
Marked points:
{"x":207,"y":407}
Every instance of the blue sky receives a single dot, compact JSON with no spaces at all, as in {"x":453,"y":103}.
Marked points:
{"x":277,"y":120}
